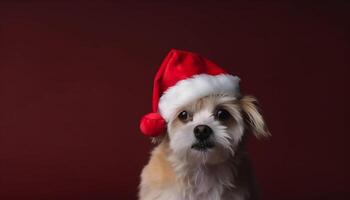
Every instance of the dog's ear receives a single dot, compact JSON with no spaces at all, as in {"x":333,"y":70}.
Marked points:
{"x":253,"y":117}
{"x":160,"y":139}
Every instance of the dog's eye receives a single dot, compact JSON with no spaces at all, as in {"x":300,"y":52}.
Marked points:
{"x":222,"y":114}
{"x":183,"y":116}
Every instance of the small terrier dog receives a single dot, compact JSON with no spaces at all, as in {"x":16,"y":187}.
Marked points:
{"x":202,"y":156}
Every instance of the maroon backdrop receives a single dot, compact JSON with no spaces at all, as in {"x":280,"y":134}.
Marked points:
{"x":76,"y":77}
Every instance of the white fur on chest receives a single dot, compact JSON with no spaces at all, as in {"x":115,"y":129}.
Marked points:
{"x":204,"y":183}
{"x":206,"y":191}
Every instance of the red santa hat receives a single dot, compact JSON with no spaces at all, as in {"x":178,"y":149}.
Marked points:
{"x":182,"y":78}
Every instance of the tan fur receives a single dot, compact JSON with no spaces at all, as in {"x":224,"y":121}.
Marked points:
{"x":254,"y":117}
{"x":158,"y":173}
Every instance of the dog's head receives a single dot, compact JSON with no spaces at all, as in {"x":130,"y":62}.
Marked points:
{"x":210,"y":130}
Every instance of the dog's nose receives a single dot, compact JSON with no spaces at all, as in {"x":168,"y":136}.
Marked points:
{"x":202,"y":132}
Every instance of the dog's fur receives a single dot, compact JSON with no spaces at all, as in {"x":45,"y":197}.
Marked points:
{"x":176,"y":171}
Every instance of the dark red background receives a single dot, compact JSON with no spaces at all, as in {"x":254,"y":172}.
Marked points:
{"x":76,"y":77}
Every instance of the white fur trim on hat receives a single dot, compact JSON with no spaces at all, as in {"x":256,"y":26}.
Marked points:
{"x":198,"y":86}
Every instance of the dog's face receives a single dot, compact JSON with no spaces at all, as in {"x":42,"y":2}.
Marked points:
{"x":209,"y":130}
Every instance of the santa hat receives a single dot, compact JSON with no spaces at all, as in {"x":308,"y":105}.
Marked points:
{"x":182,"y":78}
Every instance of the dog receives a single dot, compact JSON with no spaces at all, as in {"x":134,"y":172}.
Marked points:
{"x":202,"y":156}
